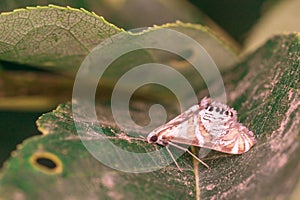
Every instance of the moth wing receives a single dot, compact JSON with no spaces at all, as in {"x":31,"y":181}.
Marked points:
{"x":236,"y":140}
{"x":220,"y":134}
{"x":192,"y":132}
{"x":178,"y":126}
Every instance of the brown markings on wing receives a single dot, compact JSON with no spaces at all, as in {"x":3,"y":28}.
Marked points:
{"x":189,"y":137}
{"x":207,"y":137}
{"x":166,"y":133}
{"x":227,"y":142}
{"x":237,"y":140}
{"x":192,"y":139}
{"x":176,"y":123}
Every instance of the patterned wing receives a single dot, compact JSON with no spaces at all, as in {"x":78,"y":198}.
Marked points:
{"x":237,"y":140}
{"x":211,"y":125}
{"x":179,"y":128}
{"x":220,"y":131}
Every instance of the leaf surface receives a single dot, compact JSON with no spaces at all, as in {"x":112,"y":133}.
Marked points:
{"x":51,"y":36}
{"x":264,"y":89}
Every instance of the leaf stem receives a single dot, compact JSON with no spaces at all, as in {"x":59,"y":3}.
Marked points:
{"x":197,"y":175}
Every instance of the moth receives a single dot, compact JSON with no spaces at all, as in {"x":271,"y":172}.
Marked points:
{"x":208,"y":124}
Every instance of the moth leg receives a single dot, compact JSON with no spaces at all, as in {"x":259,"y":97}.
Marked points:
{"x":186,"y":150}
{"x":173,"y":158}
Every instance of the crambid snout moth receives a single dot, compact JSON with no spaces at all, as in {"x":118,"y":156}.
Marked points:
{"x":209,"y":124}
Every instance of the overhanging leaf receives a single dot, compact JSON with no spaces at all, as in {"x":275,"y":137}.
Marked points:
{"x":51,"y":36}
{"x":265,"y":91}
{"x":59,"y":38}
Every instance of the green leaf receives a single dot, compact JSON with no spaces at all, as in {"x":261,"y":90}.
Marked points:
{"x":127,"y":13}
{"x":265,"y":91}
{"x":51,"y":36}
{"x":77,"y":174}
{"x":58,"y":38}
{"x":264,"y":88}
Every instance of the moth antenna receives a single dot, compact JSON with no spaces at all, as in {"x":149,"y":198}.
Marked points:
{"x":140,"y":137}
{"x":173,"y":158}
{"x":186,"y":150}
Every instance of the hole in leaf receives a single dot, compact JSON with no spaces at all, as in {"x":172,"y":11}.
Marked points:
{"x":46,"y":162}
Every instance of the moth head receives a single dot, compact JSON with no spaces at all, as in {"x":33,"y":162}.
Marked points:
{"x":152,"y":138}
{"x":155,"y":137}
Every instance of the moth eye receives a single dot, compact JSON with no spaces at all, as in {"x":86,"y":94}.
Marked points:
{"x":154,"y":138}
{"x":226,"y":112}
{"x":217,"y":109}
{"x":230,"y":114}
{"x":222,"y":110}
{"x":210,"y":108}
